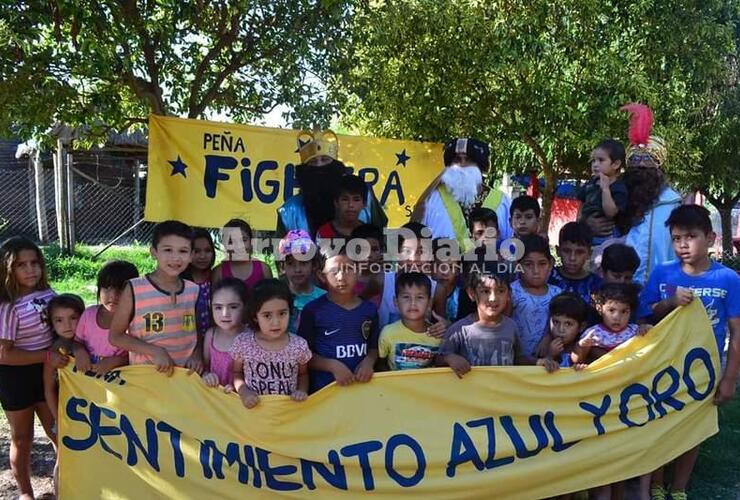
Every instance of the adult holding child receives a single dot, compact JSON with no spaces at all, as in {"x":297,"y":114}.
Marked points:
{"x":651,"y":199}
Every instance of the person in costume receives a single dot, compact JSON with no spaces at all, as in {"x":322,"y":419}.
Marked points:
{"x":443,"y":206}
{"x":318,"y":177}
{"x":651,"y":199}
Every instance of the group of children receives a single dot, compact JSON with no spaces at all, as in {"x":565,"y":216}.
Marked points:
{"x":332,"y":319}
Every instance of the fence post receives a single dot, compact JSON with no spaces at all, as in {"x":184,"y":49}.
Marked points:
{"x":38,"y":173}
{"x":70,"y":203}
{"x":137,"y":197}
{"x":59,"y":198}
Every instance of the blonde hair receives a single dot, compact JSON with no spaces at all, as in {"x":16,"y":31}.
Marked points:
{"x":10,"y":290}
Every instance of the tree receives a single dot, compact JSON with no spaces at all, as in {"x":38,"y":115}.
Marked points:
{"x":108,"y":64}
{"x":714,"y":135}
{"x":541,"y":80}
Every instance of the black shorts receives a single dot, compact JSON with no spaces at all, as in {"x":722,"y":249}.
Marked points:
{"x":21,"y":386}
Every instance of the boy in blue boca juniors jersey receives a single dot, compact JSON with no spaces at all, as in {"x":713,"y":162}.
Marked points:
{"x":341,"y":329}
{"x":677,"y":283}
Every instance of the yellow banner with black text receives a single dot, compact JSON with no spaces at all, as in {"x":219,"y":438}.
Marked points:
{"x":514,"y":432}
{"x":205,"y":173}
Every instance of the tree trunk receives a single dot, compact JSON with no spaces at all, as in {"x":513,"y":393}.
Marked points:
{"x":548,"y":196}
{"x":725,"y":215}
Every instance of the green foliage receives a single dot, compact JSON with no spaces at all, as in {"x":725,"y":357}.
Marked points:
{"x":78,"y":273}
{"x":541,"y":80}
{"x":717,"y":472}
{"x":108,"y":64}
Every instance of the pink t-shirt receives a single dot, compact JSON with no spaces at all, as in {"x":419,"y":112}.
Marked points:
{"x":270,"y":372}
{"x":94,"y":337}
{"x":25,"y":321}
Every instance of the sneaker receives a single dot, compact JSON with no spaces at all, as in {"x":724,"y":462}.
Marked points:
{"x":658,"y":493}
{"x":678,"y":495}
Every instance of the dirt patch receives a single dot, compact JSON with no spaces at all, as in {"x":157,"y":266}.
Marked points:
{"x":42,"y":464}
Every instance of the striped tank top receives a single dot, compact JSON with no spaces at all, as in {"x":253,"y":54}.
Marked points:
{"x":160,"y":321}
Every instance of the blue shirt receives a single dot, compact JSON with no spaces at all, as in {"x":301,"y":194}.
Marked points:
{"x":334,"y":332}
{"x":582,"y":286}
{"x":718,"y":288}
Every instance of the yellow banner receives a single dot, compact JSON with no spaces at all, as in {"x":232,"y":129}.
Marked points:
{"x":205,"y":173}
{"x":497,"y":433}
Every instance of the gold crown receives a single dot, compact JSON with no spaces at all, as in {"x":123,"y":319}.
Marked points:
{"x":656,"y":148}
{"x":315,"y":143}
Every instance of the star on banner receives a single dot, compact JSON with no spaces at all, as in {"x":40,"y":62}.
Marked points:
{"x":402,"y":158}
{"x":178,"y":167}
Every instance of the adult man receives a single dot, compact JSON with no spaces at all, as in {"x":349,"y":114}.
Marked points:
{"x":444,"y":204}
{"x":318,"y":176}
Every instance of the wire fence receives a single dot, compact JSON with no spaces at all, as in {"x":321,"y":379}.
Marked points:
{"x":108,"y":198}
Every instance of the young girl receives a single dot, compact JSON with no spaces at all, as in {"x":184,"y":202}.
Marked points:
{"x":229,"y":312}
{"x":270,"y":345}
{"x":92,"y":350}
{"x":237,"y":240}
{"x":299,"y":265}
{"x":25,"y":337}
{"x":64,"y":312}
{"x":199,"y":271}
{"x":614,"y":302}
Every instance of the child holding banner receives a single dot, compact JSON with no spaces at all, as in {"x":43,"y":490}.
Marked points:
{"x":405,"y":345}
{"x":341,"y":329}
{"x":92,"y":349}
{"x":229,"y":308}
{"x":677,"y":283}
{"x":269,"y":360}
{"x":493,"y":338}
{"x":155,"y":318}
{"x":63,"y":312}
{"x":615,"y":303}
{"x":568,"y":313}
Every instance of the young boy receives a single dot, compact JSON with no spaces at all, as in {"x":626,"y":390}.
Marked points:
{"x":446,"y":274}
{"x":531,"y":294}
{"x":568,"y":314}
{"x":405,"y":345}
{"x":299,"y":265}
{"x":525,"y":216}
{"x":483,"y":225}
{"x":155,"y":318}
{"x":349,"y":202}
{"x":341,"y":329}
{"x":605,"y":195}
{"x":619,"y":263}
{"x":412,"y":257}
{"x":574,"y":250}
{"x":677,"y":283}
{"x":492,"y":339}
{"x":370,"y":278}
